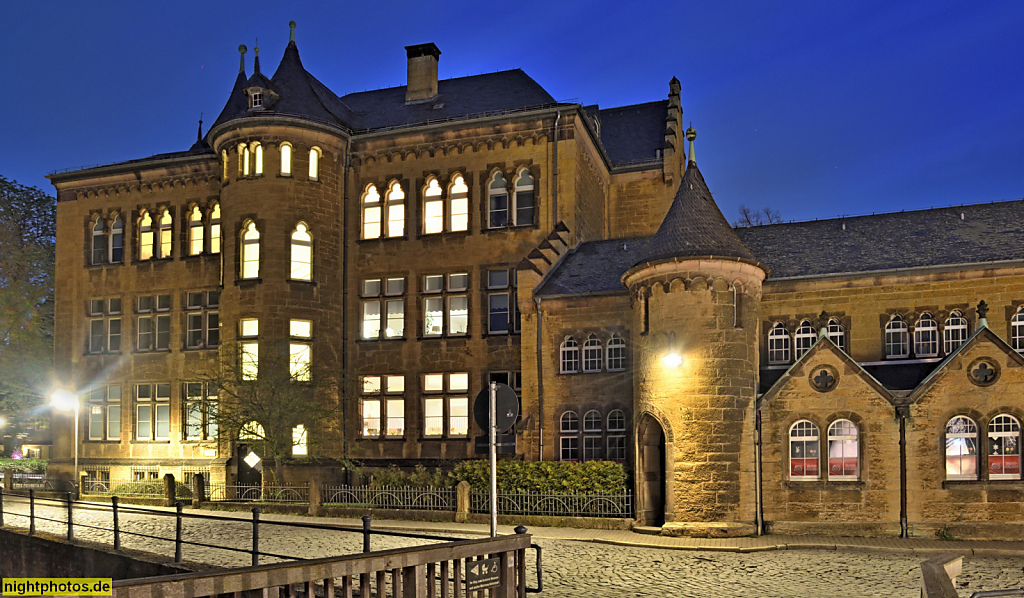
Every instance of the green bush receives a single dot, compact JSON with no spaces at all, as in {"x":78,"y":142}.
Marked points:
{"x":24,"y":465}
{"x":393,"y":477}
{"x":151,"y":488}
{"x":545,"y":477}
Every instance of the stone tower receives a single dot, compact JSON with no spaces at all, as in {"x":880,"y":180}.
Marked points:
{"x":695,"y":298}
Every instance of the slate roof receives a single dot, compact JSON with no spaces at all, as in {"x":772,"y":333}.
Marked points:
{"x":694,"y":226}
{"x":987,"y":233}
{"x":456,"y":98}
{"x":633,"y":134}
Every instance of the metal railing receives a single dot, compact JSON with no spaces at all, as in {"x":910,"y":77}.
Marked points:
{"x":291,"y":493}
{"x":38,"y":481}
{"x":564,"y":505}
{"x":426,"y":499}
{"x":125,"y":487}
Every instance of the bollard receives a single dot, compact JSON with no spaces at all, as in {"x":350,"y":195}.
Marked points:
{"x":366,"y":532}
{"x":31,"y":512}
{"x":1,"y":507}
{"x":117,"y":530}
{"x":520,"y":564}
{"x":177,"y":532}
{"x":255,"y":536}
{"x":71,"y":523}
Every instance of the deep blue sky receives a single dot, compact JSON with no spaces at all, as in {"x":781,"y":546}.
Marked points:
{"x":813,"y":108}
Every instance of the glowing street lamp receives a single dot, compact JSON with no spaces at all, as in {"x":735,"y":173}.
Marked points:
{"x":65,"y":400}
{"x":672,"y":359}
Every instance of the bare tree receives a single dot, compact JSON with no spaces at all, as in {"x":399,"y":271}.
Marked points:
{"x":750,"y":217}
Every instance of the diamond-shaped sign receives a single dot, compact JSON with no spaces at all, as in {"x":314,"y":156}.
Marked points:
{"x":252,"y":459}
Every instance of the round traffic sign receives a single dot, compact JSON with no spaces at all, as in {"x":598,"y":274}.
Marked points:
{"x":506,"y":407}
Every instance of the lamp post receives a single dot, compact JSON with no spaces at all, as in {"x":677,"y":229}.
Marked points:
{"x":64,"y":400}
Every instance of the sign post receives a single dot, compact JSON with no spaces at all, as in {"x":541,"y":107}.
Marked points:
{"x":492,"y":431}
{"x":496,"y":409}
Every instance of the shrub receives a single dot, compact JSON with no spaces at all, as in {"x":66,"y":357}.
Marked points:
{"x":545,"y":477}
{"x":393,"y":477}
{"x":151,"y":488}
{"x":24,"y":465}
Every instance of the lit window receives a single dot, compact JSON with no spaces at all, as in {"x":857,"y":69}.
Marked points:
{"x":836,"y":334}
{"x":842,"y":451}
{"x":449,"y":413}
{"x":926,"y":337}
{"x":778,"y":344}
{"x":145,"y":236}
{"x":384,"y":306}
{"x":252,"y":431}
{"x":196,"y":228}
{"x":497,"y":202}
{"x":592,"y":358}
{"x":250,"y":250}
{"x":116,"y":240}
{"x":243,"y":159}
{"x":302,"y":253}
{"x":569,"y":356}
{"x":1004,"y":448}
{"x":954,"y":333}
{"x":152,"y":412}
{"x":450,"y":309}
{"x":200,"y":411}
{"x":224,"y":164}
{"x":99,"y":242}
{"x":314,"y":164}
{"x":1017,"y":330}
{"x":523,"y":200}
{"x":433,"y":208}
{"x":286,"y":159}
{"x":166,"y":234}
{"x":103,"y":404}
{"x":372,"y":212}
{"x":248,"y":348}
{"x":804,"y":338}
{"x":258,"y":154}
{"x":383,"y":402}
{"x":458,"y":195}
{"x":897,"y":339}
{"x":803,"y":451}
{"x":300,"y":351}
{"x":395,"y":208}
{"x":961,"y":449}
{"x":616,"y":353}
{"x":300,"y":441}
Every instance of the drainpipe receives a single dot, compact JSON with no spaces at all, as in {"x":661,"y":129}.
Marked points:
{"x":902,"y":413}
{"x":757,"y":470}
{"x":344,"y":309}
{"x":540,"y":381}
{"x":554,"y":172}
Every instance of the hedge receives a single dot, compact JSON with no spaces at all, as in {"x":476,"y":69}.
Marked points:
{"x":151,"y":487}
{"x":545,"y":477}
{"x":24,"y":465}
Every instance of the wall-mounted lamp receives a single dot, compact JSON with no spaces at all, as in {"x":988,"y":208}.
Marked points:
{"x":672,"y":358}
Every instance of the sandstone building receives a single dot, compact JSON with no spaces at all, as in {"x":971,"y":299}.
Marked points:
{"x":858,"y":375}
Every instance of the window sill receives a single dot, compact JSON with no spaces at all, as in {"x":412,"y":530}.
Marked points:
{"x":384,"y":438}
{"x":447,"y":234}
{"x":151,"y":441}
{"x":103,"y":265}
{"x":150,"y":351}
{"x":91,"y":441}
{"x":382,"y":239}
{"x":511,"y":227}
{"x":248,"y":282}
{"x":824,"y":485}
{"x":300,"y":282}
{"x":385,"y":339}
{"x":982,"y":484}
{"x":198,"y":256}
{"x":443,"y":337}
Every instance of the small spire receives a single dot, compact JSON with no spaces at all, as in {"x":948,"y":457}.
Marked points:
{"x":199,"y":137}
{"x":982,"y":312}
{"x":291,"y":32}
{"x":822,"y":324}
{"x":241,"y":62}
{"x":256,"y":61}
{"x":691,"y":134}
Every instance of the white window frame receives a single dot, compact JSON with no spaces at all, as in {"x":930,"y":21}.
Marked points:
{"x":314,"y":163}
{"x":497,"y":187}
{"x":1006,"y":428}
{"x":215,"y":232}
{"x":196,"y":231}
{"x":778,"y":345}
{"x":520,"y":191}
{"x":841,"y":433}
{"x":301,"y":253}
{"x":458,"y":204}
{"x":897,"y":338}
{"x":954,"y":331}
{"x":372,"y":210}
{"x":286,"y":159}
{"x":615,"y":353}
{"x":200,"y":400}
{"x":146,"y":236}
{"x":115,"y":246}
{"x":433,"y":208}
{"x":1017,"y":330}
{"x":926,"y":336}
{"x":165,"y":234}
{"x":394,"y":211}
{"x":803,"y":339}
{"x":569,"y":356}
{"x":593,"y":355}
{"x":836,"y":333}
{"x":808,"y":436}
{"x":250,"y":253}
{"x":961,"y":432}
{"x":569,"y":439}
{"x":99,"y":252}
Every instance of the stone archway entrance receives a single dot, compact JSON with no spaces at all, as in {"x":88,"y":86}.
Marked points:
{"x":650,"y":472}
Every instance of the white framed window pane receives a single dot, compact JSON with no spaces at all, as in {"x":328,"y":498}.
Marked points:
{"x":458,"y":381}
{"x":301,"y":328}
{"x":396,"y":319}
{"x":371,"y":222}
{"x":460,"y":214}
{"x":114,"y":422}
{"x":497,"y":317}
{"x":395,"y":384}
{"x":371,"y":319}
{"x":302,"y":262}
{"x":371,"y":384}
{"x":433,"y":316}
{"x":286,"y":160}
{"x":458,"y":424}
{"x":497,"y":279}
{"x":96,"y":422}
{"x":394,"y":286}
{"x":250,"y":355}
{"x":371,"y":417}
{"x":249,"y":327}
{"x":314,"y":164}
{"x":458,"y":282}
{"x":433,"y":217}
{"x":433,"y":283}
{"x":300,"y":361}
{"x":458,"y":315}
{"x":433,"y":417}
{"x":396,"y":417}
{"x":300,"y":444}
{"x":396,"y":220}
{"x":433,"y":382}
{"x":143,"y":422}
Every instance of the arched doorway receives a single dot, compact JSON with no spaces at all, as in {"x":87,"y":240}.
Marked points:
{"x":650,"y":472}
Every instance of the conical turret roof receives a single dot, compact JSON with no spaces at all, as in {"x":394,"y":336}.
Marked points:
{"x":304,"y":96}
{"x":237,"y":101}
{"x":695,"y":227}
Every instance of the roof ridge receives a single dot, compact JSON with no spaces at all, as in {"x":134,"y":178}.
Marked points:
{"x":880,"y":214}
{"x":626,"y":106}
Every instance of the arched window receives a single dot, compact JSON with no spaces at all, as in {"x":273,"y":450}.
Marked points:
{"x":803,"y":451}
{"x":286,"y":159}
{"x":433,"y":208}
{"x":836,"y":334}
{"x":250,"y":250}
{"x":224,"y":164}
{"x":145,"y":236}
{"x":843,"y":451}
{"x":300,"y":443}
{"x":117,"y":240}
{"x":497,"y":202}
{"x":523,"y":199}
{"x":926,"y":336}
{"x":897,"y":339}
{"x":196,"y":228}
{"x":1004,"y":448}
{"x":252,"y":431}
{"x":243,"y":160}
{"x":458,"y":200}
{"x":616,"y":421}
{"x":570,"y":423}
{"x":258,"y":154}
{"x":778,"y":344}
{"x":302,"y":253}
{"x":1017,"y":330}
{"x":372,"y":212}
{"x":954,"y":333}
{"x":314,"y":164}
{"x":616,"y":353}
{"x":215,"y":229}
{"x":569,"y":356}
{"x":961,"y":449}
{"x":99,"y":242}
{"x":805,"y":337}
{"x":592,"y":421}
{"x":569,"y":426}
{"x":592,"y":360}
{"x":395,"y":207}
{"x":166,"y":233}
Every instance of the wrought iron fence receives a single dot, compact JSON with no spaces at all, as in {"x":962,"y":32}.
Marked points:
{"x":292,"y":493}
{"x":38,"y":481}
{"x":125,"y":487}
{"x":567,"y":505}
{"x":424,"y":499}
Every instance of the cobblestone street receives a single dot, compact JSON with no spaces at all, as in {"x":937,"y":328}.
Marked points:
{"x":571,"y":568}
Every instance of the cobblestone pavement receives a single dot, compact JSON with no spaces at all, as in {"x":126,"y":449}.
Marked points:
{"x":571,"y":568}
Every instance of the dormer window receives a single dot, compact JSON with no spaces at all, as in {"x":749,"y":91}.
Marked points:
{"x":257,"y":99}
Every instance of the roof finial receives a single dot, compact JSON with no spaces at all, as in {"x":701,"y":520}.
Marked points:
{"x":691,"y":134}
{"x":199,"y":137}
{"x":241,"y":62}
{"x":256,"y":61}
{"x":982,"y":312}
{"x":291,"y":33}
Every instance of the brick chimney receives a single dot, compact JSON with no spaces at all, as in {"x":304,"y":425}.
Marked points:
{"x":422,"y":81}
